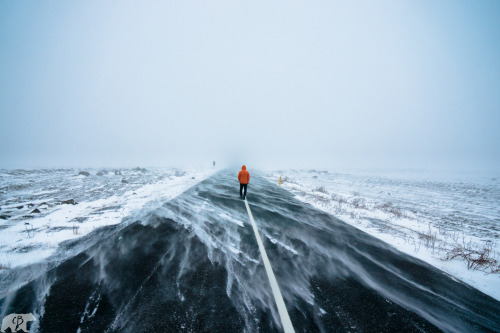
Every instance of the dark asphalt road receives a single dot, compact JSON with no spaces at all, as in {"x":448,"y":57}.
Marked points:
{"x":193,"y":265}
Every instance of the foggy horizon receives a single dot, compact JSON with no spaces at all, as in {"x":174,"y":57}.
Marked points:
{"x":348,"y":85}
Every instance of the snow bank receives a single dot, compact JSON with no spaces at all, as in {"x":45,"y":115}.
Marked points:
{"x":27,"y":237}
{"x":419,"y":214}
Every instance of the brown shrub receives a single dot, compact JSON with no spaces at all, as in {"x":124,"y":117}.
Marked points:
{"x":476,"y":258}
{"x":321,"y":189}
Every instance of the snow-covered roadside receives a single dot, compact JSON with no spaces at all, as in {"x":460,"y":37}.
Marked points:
{"x":32,"y":238}
{"x":424,"y":218}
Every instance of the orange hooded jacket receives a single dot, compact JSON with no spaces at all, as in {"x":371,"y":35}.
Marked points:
{"x":244,"y":176}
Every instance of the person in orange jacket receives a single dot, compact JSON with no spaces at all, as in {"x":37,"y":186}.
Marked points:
{"x":244,"y":178}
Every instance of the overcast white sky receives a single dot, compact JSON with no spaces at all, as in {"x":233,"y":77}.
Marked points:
{"x":273,"y":84}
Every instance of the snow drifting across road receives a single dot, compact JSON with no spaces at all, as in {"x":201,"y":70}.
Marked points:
{"x":193,"y":264}
{"x":39,"y":209}
{"x":427,"y":216}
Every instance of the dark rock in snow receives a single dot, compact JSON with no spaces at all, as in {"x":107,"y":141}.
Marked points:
{"x":118,"y":173}
{"x":124,"y":181}
{"x":84,"y":173}
{"x":69,"y":202}
{"x":20,"y":207}
{"x":140,"y":170}
{"x":30,"y":205}
{"x":102,"y":172}
{"x":4,"y":217}
{"x":35,"y":211}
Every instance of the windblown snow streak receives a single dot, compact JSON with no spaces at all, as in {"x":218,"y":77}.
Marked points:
{"x":193,"y":265}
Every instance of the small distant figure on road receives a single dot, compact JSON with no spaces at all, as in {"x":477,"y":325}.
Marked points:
{"x":244,"y":178}
{"x":214,"y":163}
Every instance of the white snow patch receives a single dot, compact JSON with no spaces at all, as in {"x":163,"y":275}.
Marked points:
{"x":231,"y":219}
{"x":275,"y":241}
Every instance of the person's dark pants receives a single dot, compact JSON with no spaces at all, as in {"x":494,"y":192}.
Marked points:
{"x":243,"y":186}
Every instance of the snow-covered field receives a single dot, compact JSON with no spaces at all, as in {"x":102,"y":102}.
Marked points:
{"x":451,"y":221}
{"x":41,"y":208}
